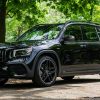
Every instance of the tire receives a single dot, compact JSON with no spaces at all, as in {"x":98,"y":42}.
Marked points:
{"x":45,"y":72}
{"x":67,"y":78}
{"x":3,"y":81}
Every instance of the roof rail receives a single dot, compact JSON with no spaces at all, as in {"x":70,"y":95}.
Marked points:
{"x":89,"y":21}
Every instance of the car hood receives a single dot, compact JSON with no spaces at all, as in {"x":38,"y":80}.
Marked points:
{"x":24,"y":44}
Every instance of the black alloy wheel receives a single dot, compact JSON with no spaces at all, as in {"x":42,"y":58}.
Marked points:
{"x":46,"y":71}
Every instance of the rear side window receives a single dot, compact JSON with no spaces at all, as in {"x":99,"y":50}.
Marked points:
{"x":98,"y":29}
{"x":89,"y":33}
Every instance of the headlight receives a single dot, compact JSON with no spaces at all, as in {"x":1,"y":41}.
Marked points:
{"x":22,"y":52}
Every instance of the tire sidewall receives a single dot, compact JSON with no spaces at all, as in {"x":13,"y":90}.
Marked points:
{"x":41,"y":60}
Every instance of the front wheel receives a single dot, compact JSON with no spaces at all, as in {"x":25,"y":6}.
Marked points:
{"x":46,"y":71}
{"x":3,"y":81}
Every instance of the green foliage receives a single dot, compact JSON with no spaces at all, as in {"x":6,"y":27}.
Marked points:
{"x":96,"y":16}
{"x":77,"y":9}
{"x":17,"y":24}
{"x":23,"y":14}
{"x":24,"y":10}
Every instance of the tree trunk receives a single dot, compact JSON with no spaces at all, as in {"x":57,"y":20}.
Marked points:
{"x":2,"y":20}
{"x":91,"y":12}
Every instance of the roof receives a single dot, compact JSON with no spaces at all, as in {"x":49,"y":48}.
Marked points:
{"x":72,"y":21}
{"x":84,"y":22}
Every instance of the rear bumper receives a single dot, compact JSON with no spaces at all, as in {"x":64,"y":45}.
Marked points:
{"x":16,"y":70}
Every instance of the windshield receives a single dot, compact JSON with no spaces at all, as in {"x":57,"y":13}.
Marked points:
{"x":41,"y":32}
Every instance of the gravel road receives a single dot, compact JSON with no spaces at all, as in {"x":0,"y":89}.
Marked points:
{"x":80,"y":88}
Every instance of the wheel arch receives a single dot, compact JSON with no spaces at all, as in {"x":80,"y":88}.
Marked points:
{"x":50,"y":53}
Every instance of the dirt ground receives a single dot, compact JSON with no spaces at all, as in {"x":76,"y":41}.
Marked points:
{"x":80,"y":88}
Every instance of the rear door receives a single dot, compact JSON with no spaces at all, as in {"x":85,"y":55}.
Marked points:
{"x":98,"y":31}
{"x":92,"y":43}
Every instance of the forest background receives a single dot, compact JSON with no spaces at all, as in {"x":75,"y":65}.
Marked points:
{"x":16,"y":16}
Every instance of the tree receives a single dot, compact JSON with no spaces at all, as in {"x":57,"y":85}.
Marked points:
{"x":17,"y":9}
{"x":96,"y":16}
{"x":76,"y":9}
{"x":2,"y":19}
{"x":28,"y":12}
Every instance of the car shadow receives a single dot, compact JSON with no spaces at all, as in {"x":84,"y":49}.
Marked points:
{"x":29,"y":85}
{"x":77,"y":81}
{"x":90,"y":98}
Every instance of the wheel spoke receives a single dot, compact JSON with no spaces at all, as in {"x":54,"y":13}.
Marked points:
{"x":43,"y":75}
{"x":42,"y":69}
{"x":45,"y":78}
{"x":49,"y":78}
{"x":47,"y":70}
{"x":51,"y":72}
{"x":47,"y":64}
{"x":51,"y":68}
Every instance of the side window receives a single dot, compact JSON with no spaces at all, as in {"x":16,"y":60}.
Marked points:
{"x":89,"y":33}
{"x":75,"y":31}
{"x":98,"y":30}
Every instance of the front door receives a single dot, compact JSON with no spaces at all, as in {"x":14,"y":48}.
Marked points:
{"x":73,"y":52}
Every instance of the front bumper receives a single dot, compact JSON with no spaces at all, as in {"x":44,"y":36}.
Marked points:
{"x":4,"y":73}
{"x":16,"y":70}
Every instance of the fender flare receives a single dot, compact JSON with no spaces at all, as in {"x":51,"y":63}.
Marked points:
{"x":46,"y":52}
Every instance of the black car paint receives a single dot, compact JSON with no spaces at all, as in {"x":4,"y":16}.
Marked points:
{"x":77,"y":55}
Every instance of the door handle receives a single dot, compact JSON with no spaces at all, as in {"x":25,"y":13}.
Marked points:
{"x":83,"y":45}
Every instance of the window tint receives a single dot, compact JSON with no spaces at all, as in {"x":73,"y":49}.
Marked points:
{"x":98,"y":29}
{"x":75,"y":31}
{"x":89,"y":33}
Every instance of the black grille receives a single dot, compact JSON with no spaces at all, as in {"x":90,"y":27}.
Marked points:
{"x":4,"y":54}
{"x":1,"y":55}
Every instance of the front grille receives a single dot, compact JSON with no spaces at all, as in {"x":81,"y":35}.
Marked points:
{"x":5,"y":54}
{"x":1,"y":55}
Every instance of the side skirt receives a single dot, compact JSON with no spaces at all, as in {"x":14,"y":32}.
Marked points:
{"x":84,"y":69}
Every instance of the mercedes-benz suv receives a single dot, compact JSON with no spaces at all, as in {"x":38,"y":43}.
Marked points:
{"x":48,"y":51}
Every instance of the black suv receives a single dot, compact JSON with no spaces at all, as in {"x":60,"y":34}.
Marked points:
{"x":48,"y":51}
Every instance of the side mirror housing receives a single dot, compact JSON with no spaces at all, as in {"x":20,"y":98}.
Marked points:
{"x":69,"y":38}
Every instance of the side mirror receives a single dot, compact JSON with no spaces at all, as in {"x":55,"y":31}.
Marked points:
{"x":69,"y":38}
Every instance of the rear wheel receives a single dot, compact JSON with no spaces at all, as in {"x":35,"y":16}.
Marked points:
{"x":67,"y":78}
{"x":3,"y":81}
{"x":46,"y":71}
